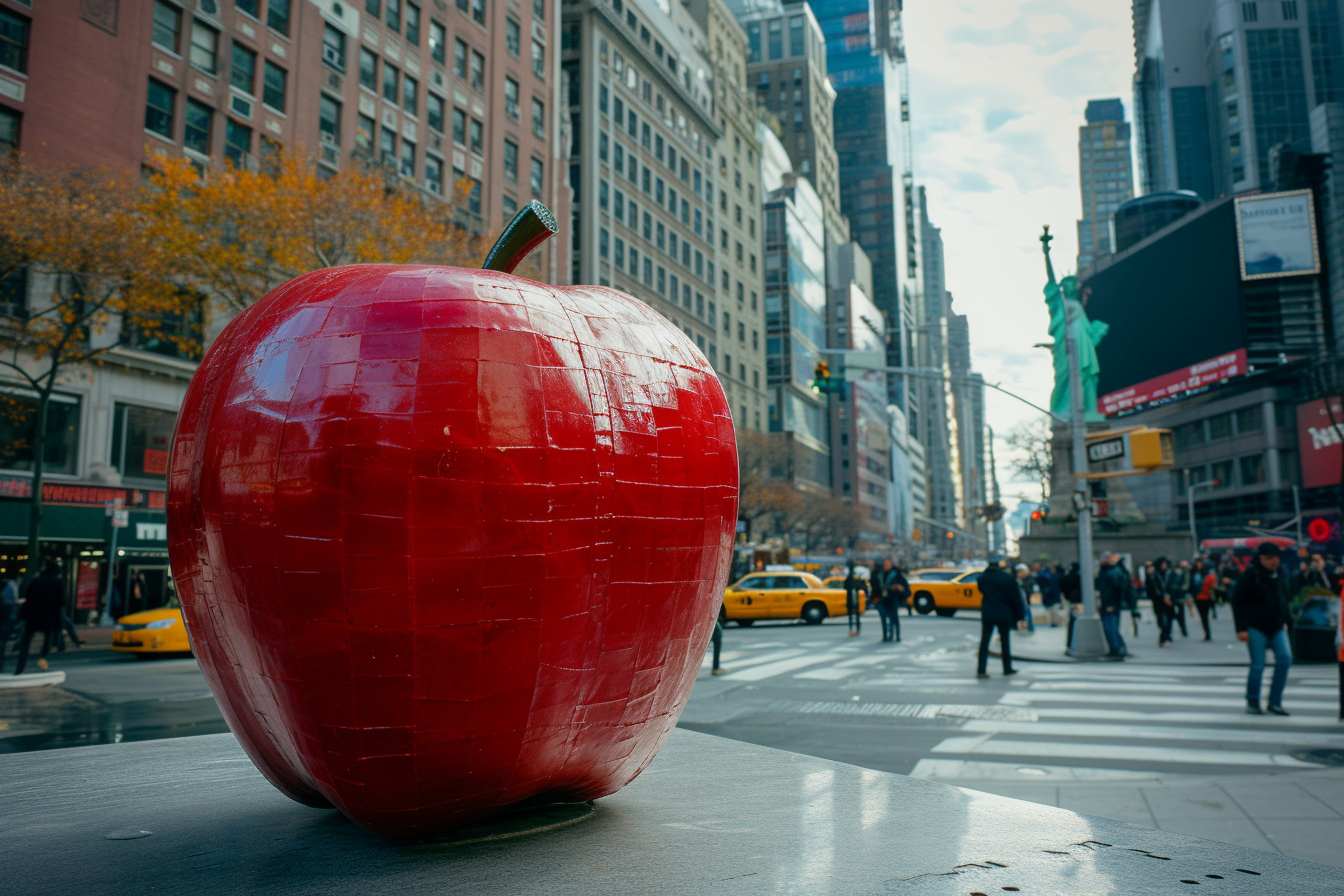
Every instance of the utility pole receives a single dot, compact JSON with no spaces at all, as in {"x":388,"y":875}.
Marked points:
{"x":1089,"y":638}
{"x":1190,"y":508}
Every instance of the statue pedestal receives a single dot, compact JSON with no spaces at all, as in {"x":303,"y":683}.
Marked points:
{"x":193,"y":816}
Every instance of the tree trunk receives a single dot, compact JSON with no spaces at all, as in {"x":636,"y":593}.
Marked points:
{"x":35,"y":502}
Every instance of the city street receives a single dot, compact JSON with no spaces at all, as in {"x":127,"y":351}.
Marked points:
{"x":1166,"y":746}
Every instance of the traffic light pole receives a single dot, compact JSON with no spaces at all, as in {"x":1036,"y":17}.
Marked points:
{"x":1089,"y":638}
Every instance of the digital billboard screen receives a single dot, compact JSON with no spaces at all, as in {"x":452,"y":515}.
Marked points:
{"x":1173,"y":302}
{"x":1276,"y":235}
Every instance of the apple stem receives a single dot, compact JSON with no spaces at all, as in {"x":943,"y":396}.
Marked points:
{"x":532,"y":226}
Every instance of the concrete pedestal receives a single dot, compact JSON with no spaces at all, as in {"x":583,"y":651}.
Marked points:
{"x":710,"y":816}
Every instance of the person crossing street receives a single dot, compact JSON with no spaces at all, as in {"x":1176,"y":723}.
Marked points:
{"x":1114,"y":593}
{"x":1264,"y":622}
{"x":1001,"y":607}
{"x":853,"y":603}
{"x":891,"y":590}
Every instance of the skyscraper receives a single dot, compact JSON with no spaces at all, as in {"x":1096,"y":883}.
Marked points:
{"x":1171,"y":96}
{"x":1106,"y":166}
{"x":937,"y":422}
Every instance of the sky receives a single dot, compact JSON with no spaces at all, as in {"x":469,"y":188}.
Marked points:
{"x":997,"y":94}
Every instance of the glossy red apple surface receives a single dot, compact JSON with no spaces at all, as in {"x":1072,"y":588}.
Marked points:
{"x":448,"y":540}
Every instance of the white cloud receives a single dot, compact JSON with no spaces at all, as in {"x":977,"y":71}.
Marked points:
{"x":998,"y":91}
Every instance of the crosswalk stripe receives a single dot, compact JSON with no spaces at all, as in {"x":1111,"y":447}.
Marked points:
{"x":1139,"y":687}
{"x":831,"y":674}
{"x":988,"y":744}
{"x":1028,"y":698}
{"x":963,"y":770}
{"x":770,"y":670}
{"x":1240,"y":736}
{"x":1129,"y":715}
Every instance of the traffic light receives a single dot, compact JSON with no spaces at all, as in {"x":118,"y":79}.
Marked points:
{"x":1036,"y":514}
{"x":821,"y":378}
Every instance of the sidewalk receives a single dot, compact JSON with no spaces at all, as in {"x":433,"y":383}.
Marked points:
{"x":1300,"y":815}
{"x":1047,"y":645}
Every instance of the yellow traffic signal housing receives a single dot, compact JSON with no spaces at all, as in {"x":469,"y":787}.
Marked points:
{"x":1128,"y":452}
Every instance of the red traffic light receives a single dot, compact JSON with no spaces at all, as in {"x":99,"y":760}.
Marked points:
{"x":1319,"y":529}
{"x":1036,"y":515}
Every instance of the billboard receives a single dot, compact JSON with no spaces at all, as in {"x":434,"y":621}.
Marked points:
{"x":1320,"y":441}
{"x":1173,"y":385}
{"x":1276,"y":235}
{"x":1173,"y":301}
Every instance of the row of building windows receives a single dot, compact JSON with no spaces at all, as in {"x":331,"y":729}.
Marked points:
{"x":204,"y":56}
{"x":1224,"y":426}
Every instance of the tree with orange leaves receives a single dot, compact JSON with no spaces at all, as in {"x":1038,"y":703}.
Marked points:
{"x":82,"y":240}
{"x":236,"y":234}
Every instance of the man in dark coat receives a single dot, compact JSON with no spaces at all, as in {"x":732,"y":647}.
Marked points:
{"x":891,"y":590}
{"x":1264,"y":620}
{"x":1114,"y":593}
{"x":1000,"y":608}
{"x":1161,"y":586}
{"x":41,"y":612}
{"x":854,"y":585}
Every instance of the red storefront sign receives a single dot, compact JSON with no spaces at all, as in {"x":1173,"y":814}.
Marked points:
{"x":1173,"y":385}
{"x":73,"y":495}
{"x":1319,"y":438}
{"x":86,"y":585}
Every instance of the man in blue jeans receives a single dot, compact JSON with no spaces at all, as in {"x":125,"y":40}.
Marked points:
{"x":1114,"y":590}
{"x":1260,"y":607}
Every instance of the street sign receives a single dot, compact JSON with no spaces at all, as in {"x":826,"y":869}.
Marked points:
{"x":121,"y":519}
{"x":1128,"y":452}
{"x":1101,"y":508}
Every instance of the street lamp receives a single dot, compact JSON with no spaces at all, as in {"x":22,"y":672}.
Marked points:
{"x":1190,"y":504}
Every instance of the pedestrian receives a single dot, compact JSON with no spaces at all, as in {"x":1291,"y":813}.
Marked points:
{"x":1026,"y":585}
{"x":1048,"y":585}
{"x":41,"y":613}
{"x":1114,"y":593}
{"x":853,"y":586}
{"x":9,"y":611}
{"x":1339,"y":649}
{"x":717,"y":640}
{"x":1180,"y":595}
{"x":1000,"y":607}
{"x":1071,"y":586}
{"x":1160,"y":585}
{"x":1260,"y":608}
{"x":1208,"y":580}
{"x":1316,"y":575}
{"x":878,"y":597}
{"x":892,"y":590}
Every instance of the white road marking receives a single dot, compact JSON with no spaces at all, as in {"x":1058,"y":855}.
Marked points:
{"x":1126,"y":753}
{"x":1241,"y":736}
{"x":1029,"y":698}
{"x":770,"y":670}
{"x":970,"y":770}
{"x":1130,"y":715}
{"x":831,"y":674}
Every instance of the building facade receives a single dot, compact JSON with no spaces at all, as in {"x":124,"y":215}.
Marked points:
{"x":741,"y":285}
{"x":937,"y":421}
{"x":1106,"y":167}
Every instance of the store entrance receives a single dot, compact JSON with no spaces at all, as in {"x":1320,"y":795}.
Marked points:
{"x":148,"y":586}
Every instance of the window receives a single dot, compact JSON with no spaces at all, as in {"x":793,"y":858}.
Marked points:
{"x":1250,"y":12}
{"x":394,"y":14}
{"x":539,"y":9}
{"x":538,"y":60}
{"x":510,"y":97}
{"x":604,"y":242}
{"x":273,"y":86}
{"x":333,"y":48}
{"x":1252,"y":469}
{"x":1220,"y":426}
{"x":368,"y":69}
{"x":243,"y":69}
{"x":512,"y":37}
{"x":167,"y":32}
{"x":434,"y":174}
{"x":434,"y":111}
{"x":204,"y":48}
{"x":474,"y":196}
{"x":438,"y":40}
{"x":1290,"y":10}
{"x":9,"y":130}
{"x":390,"y":75}
{"x":1250,"y":420}
{"x":277,"y":15}
{"x":478,"y":11}
{"x":159,"y":109}
{"x":620,"y":253}
{"x":373,"y":7}
{"x":387,"y":145}
{"x":237,"y":142}
{"x":459,"y":127}
{"x":536,"y":176}
{"x":410,"y":95}
{"x":408,"y":159}
{"x":199,"y":117}
{"x":18,"y":429}
{"x":460,"y":59}
{"x":477,"y":71}
{"x":476,"y":141}
{"x":364,"y":132}
{"x":539,"y":117}
{"x":329,"y":120}
{"x":413,"y":24}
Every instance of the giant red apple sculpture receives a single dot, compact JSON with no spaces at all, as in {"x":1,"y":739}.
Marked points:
{"x":449,"y":540}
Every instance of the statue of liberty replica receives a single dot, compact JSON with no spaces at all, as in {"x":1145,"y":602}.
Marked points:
{"x":1064,"y":302}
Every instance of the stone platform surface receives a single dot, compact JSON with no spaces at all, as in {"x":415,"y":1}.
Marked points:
{"x":192,"y":816}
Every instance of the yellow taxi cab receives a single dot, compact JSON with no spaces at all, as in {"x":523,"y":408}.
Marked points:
{"x":153,"y":632}
{"x":781,"y":595}
{"x":944,"y":591}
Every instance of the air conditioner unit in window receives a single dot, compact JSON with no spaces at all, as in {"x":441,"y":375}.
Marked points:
{"x":335,"y":82}
{"x":538,"y":31}
{"x":331,"y":55}
{"x":241,"y":107}
{"x":328,"y":139}
{"x":330,"y":154}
